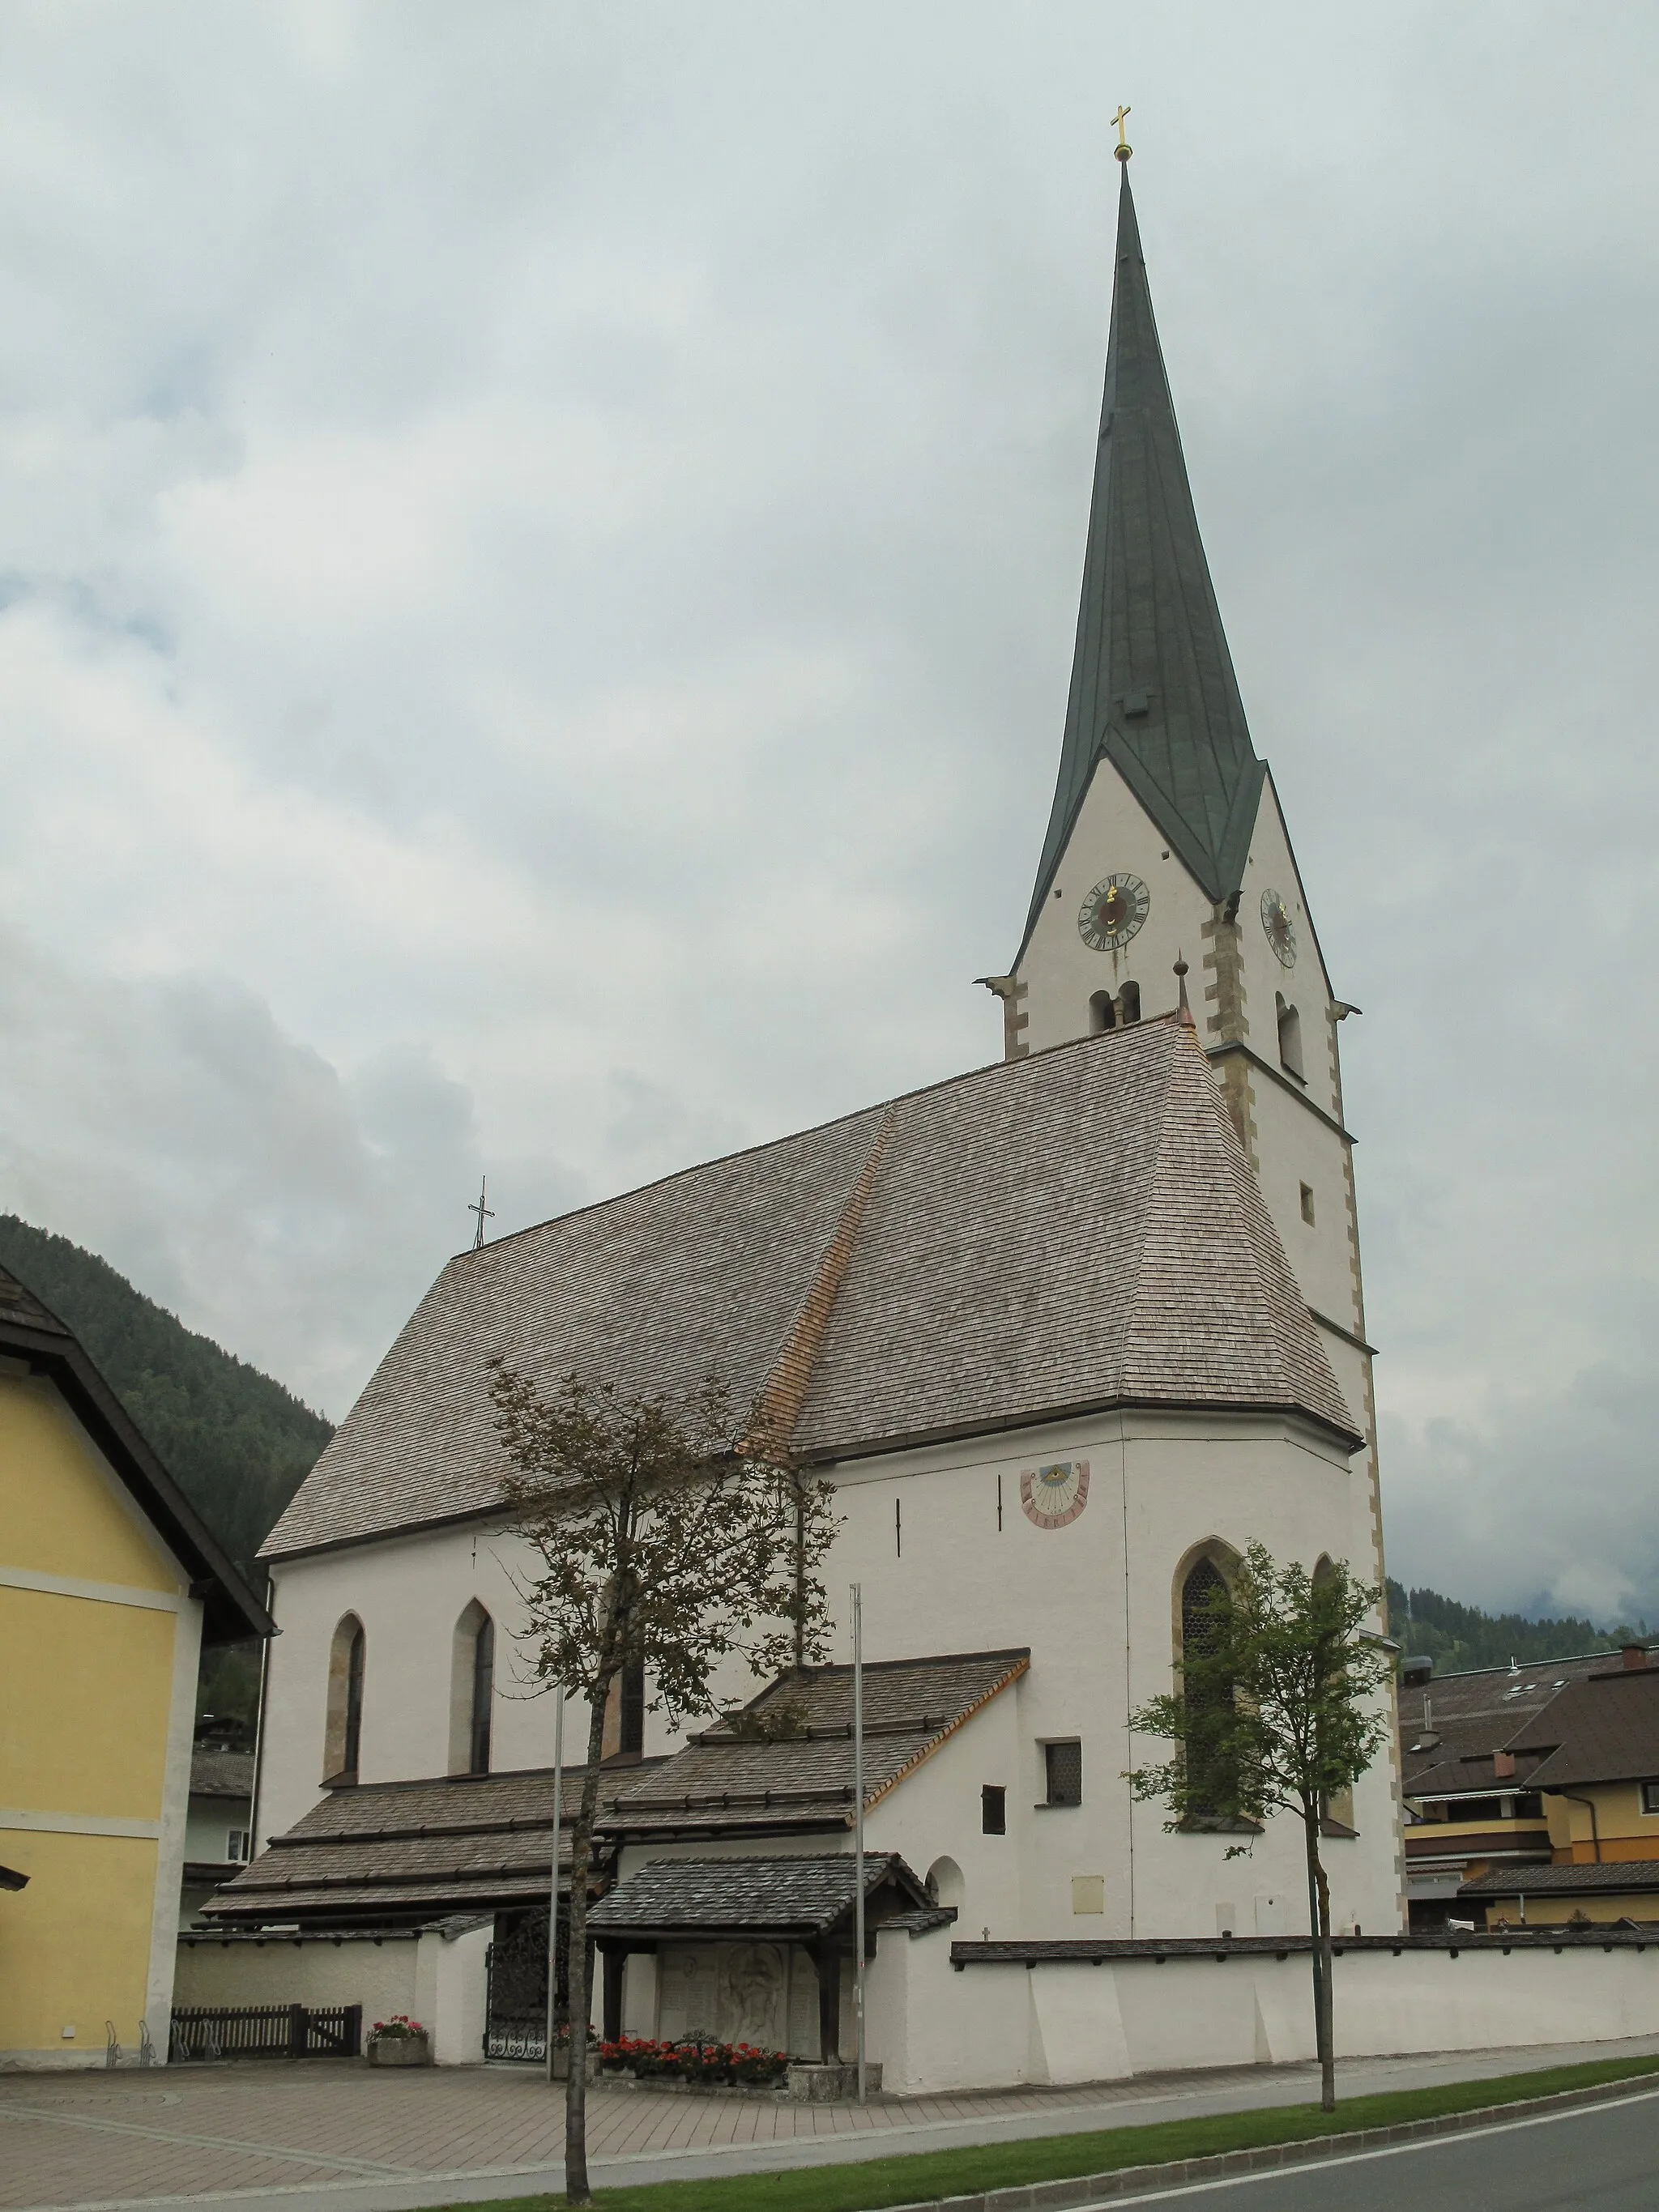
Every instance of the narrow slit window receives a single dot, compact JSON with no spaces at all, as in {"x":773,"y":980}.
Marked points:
{"x":1308,"y":1204}
{"x":1103,"y":1015}
{"x":632,"y":1715}
{"x":483,"y":1697}
{"x":898,"y":1528}
{"x":1128,"y":1003}
{"x":993,"y":1809}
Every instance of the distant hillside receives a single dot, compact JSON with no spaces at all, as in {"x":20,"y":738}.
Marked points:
{"x":238,"y":1444}
{"x":1456,"y":1637}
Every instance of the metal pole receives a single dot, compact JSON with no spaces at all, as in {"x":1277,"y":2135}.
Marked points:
{"x":858,"y":1824}
{"x":553,"y":1902}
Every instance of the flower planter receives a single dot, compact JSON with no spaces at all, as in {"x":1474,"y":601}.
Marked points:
{"x":398,"y":2051}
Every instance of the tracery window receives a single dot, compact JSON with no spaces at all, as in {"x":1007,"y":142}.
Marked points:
{"x":1199,"y":1631}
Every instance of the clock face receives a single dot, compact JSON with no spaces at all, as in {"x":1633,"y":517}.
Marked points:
{"x":1055,"y":1495}
{"x":1281,"y":931}
{"x":1112,"y":913}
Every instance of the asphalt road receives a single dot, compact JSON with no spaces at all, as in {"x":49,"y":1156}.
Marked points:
{"x":1601,"y":2158}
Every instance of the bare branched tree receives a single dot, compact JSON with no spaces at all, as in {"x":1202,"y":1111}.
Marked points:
{"x":1276,"y":1710}
{"x":674,"y":1533}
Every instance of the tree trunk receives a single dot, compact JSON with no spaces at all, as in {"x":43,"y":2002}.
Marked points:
{"x":1319,"y":1928}
{"x":576,"y":2188}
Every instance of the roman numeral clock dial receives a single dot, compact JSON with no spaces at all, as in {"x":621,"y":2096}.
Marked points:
{"x":1113,"y":912}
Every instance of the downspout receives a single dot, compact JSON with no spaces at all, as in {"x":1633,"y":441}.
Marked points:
{"x":1595,"y":1833}
{"x":259,"y":1723}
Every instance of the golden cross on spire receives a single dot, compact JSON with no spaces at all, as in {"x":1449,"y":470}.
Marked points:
{"x":1122,"y":150}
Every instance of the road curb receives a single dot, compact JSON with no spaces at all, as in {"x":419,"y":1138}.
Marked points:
{"x":1083,"y":2189}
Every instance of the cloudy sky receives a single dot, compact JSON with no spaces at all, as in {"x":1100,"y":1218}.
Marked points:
{"x":539,"y":550}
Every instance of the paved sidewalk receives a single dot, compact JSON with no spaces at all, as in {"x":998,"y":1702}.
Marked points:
{"x":330,"y":2137}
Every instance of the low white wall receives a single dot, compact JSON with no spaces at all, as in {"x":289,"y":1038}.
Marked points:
{"x":308,"y":1971}
{"x":994,"y":2026}
{"x":435,"y":1978}
{"x":451,"y":1994}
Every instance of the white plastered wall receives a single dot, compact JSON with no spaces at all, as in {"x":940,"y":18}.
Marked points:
{"x":312,"y":1970}
{"x":1094,"y":1602}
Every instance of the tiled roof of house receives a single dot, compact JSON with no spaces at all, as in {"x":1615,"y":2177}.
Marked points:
{"x":1620,"y":1876}
{"x":1451,"y":1727}
{"x":221,"y":1774}
{"x":730,"y":1781}
{"x":413,"y":1848}
{"x":1042,"y":1237}
{"x":785,"y":1895}
{"x":1603,"y":1728}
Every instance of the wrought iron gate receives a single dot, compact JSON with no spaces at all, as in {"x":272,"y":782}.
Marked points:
{"x":515,"y":2020}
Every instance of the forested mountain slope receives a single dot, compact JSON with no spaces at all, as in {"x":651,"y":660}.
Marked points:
{"x":237,"y":1443}
{"x":1458,"y":1636}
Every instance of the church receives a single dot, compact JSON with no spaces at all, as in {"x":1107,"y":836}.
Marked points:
{"x":1066,"y":1333}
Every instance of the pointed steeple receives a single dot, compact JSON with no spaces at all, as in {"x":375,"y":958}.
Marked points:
{"x":1153,"y":682}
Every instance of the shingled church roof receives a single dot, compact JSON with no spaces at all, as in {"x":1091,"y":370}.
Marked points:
{"x":1040,"y":1239}
{"x":1152,"y":684}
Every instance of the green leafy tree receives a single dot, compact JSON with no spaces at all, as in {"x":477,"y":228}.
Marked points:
{"x":1278,"y":1710}
{"x":671,"y":1533}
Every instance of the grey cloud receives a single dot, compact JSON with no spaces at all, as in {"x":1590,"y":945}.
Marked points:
{"x":554,"y":534}
{"x":291,"y":1212}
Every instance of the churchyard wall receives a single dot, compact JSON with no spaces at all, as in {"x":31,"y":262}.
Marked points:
{"x":315,"y":1970}
{"x":1000,"y":2025}
{"x":432,"y":1976}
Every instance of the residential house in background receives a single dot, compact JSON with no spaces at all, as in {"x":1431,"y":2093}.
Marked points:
{"x":109,"y":1587}
{"x":1532,"y":1793}
{"x":218,"y":1826}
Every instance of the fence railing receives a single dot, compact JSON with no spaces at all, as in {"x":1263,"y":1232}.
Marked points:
{"x":290,"y":2030}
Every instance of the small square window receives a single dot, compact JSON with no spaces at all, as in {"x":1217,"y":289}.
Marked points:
{"x":994,"y":1810}
{"x":236,"y":1847}
{"x":1063,"y":1773}
{"x":1308,"y":1204}
{"x":1650,"y":1796}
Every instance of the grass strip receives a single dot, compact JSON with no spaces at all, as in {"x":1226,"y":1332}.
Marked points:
{"x":916,"y":2176}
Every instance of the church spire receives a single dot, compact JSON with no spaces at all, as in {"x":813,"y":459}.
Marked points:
{"x":1153,"y":682}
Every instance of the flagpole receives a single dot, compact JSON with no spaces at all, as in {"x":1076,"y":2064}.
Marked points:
{"x":858,"y":1824}
{"x":553,"y":1909}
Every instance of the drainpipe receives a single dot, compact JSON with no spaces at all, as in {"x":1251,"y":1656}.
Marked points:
{"x":1595,"y":1833}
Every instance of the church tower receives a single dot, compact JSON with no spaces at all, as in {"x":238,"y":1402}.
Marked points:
{"x":1166,"y":840}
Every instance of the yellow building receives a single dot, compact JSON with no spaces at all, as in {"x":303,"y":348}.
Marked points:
{"x":109,"y":1587}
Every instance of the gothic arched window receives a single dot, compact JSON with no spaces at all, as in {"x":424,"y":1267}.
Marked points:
{"x":1335,"y":1811}
{"x":1204,"y":1586}
{"x":472,"y":1692}
{"x":342,"y":1732}
{"x":1289,"y":1036}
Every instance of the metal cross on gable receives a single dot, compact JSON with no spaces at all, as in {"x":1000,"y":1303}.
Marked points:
{"x":485,"y":1212}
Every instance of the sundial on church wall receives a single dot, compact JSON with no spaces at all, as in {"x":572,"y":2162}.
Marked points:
{"x":1053,"y":1496}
